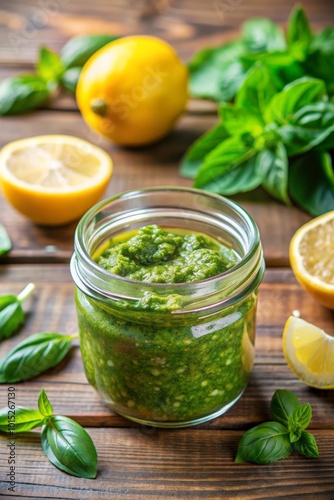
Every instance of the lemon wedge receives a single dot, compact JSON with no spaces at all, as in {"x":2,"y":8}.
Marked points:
{"x":311,"y":255}
{"x":309,"y":352}
{"x":53,"y":179}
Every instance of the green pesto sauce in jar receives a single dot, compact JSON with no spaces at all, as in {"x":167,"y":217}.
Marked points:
{"x":150,"y":366}
{"x":157,"y":255}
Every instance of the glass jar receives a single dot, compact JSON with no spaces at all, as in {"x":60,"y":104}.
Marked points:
{"x":168,"y":368}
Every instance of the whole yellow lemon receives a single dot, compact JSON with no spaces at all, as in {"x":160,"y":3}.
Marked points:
{"x":133,"y":90}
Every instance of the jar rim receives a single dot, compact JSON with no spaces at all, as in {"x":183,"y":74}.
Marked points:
{"x":94,"y":280}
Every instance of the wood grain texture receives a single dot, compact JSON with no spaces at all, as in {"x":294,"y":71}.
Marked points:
{"x":157,"y":165}
{"x":187,"y":24}
{"x":52,"y":309}
{"x":153,"y":464}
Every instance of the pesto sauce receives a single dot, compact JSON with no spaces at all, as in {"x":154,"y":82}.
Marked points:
{"x":157,"y":255}
{"x":166,"y":369}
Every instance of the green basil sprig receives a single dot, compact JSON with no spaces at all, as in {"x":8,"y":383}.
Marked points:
{"x":34,"y":355}
{"x":11,"y":312}
{"x":261,"y":135}
{"x":5,"y":241}
{"x":276,"y":440}
{"x":24,"y":93}
{"x":217,"y":73}
{"x":66,"y":444}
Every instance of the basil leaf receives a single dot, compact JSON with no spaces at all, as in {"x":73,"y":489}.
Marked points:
{"x":299,"y":420}
{"x":70,"y":78}
{"x":245,"y":177}
{"x":44,"y":404}
{"x":312,"y":126}
{"x":264,"y":444}
{"x":22,"y":93}
{"x":79,"y":49}
{"x":282,"y":66}
{"x":311,"y":182}
{"x":282,"y":405}
{"x":69,"y":447}
{"x":256,"y":91}
{"x":20,"y":419}
{"x":216,"y":73}
{"x":292,"y":98}
{"x":5,"y":242}
{"x":273,"y":164}
{"x":11,"y":316}
{"x":320,"y":60}
{"x":11,"y":312}
{"x":231,"y":153}
{"x":49,"y":65}
{"x":33,"y":356}
{"x":262,"y":35}
{"x":199,"y":149}
{"x":307,"y":445}
{"x":239,"y":120}
{"x":299,"y":33}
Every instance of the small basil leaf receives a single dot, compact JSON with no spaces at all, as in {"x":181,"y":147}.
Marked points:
{"x":5,"y":242}
{"x":282,"y":66}
{"x":301,"y":416}
{"x":69,"y":447}
{"x":22,"y":93}
{"x":320,"y":60}
{"x":245,"y":177}
{"x":211,"y":68}
{"x":49,"y":65}
{"x":282,"y":405}
{"x":312,"y":126}
{"x":20,"y":419}
{"x":293,"y":97}
{"x":311,"y":182}
{"x":273,"y":165}
{"x":44,"y":404}
{"x":228,"y":155}
{"x":264,"y":444}
{"x":11,"y":316}
{"x":239,"y":120}
{"x":199,"y":149}
{"x":299,"y":33}
{"x":70,"y":78}
{"x":307,"y":445}
{"x":33,"y":356}
{"x":79,"y":49}
{"x":256,"y":90}
{"x":230,"y":79}
{"x":262,"y":35}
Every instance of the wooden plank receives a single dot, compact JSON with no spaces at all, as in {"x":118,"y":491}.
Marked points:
{"x":157,"y":165}
{"x":187,"y":24}
{"x":160,"y":464}
{"x":52,"y":309}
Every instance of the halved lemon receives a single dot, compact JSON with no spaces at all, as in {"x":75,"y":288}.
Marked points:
{"x":311,"y":255}
{"x":53,"y":179}
{"x":309,"y":352}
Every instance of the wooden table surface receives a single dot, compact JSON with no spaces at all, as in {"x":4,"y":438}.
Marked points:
{"x":137,"y":462}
